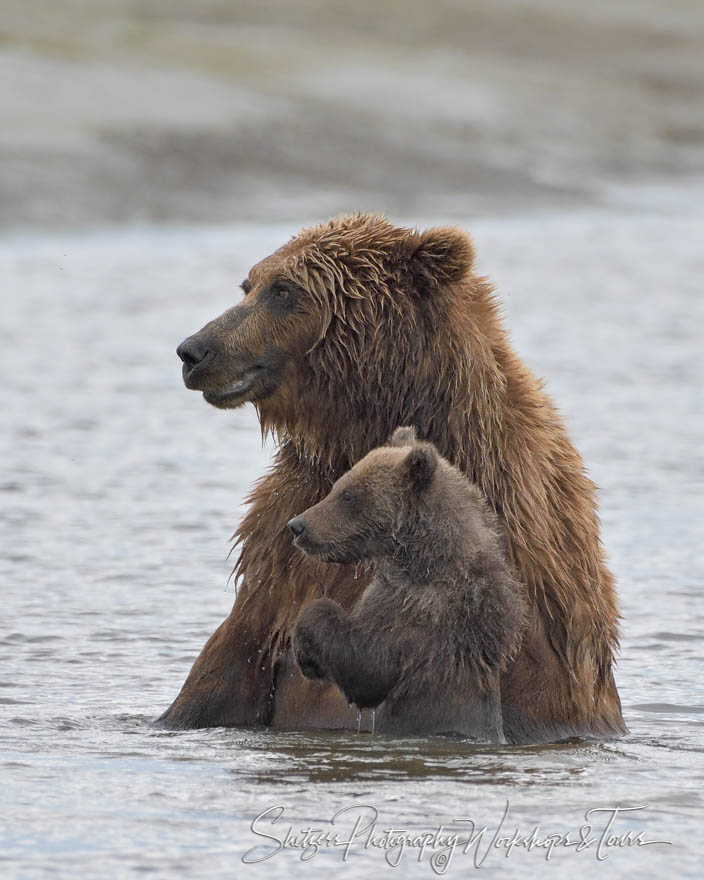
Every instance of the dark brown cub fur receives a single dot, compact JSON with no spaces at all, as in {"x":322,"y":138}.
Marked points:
{"x":442,"y":615}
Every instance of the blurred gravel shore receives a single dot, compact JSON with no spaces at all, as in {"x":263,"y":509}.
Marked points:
{"x":173,"y":111}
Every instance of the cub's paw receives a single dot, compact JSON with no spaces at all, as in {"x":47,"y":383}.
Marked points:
{"x":312,"y":631}
{"x":306,"y":651}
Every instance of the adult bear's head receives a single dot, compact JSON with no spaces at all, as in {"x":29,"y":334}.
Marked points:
{"x":350,"y":321}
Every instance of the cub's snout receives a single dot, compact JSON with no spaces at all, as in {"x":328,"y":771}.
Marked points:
{"x":297,"y":525}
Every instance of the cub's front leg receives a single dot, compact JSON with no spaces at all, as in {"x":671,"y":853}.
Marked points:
{"x":329,"y":643}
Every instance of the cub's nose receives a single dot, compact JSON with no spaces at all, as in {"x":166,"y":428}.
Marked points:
{"x":297,"y":526}
{"x":192,"y":351}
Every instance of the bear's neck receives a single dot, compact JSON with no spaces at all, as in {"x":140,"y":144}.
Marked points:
{"x":439,"y":369}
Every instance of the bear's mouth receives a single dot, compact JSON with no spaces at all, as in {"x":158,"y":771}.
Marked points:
{"x":239,"y":389}
{"x":325,"y":552}
{"x":312,"y":548}
{"x":305,"y":545}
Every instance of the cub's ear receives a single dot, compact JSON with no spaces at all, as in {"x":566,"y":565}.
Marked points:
{"x":403,"y":437}
{"x":420,"y":465}
{"x":439,"y":256}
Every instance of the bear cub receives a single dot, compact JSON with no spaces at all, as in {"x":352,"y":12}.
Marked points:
{"x":442,"y":615}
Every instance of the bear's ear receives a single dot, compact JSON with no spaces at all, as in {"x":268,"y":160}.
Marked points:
{"x":439,"y":256}
{"x":419,"y":466}
{"x":403,"y":437}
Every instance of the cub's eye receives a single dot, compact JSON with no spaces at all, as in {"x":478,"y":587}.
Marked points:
{"x":283,"y":293}
{"x":347,"y":496}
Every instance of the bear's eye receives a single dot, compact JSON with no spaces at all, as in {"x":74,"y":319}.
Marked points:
{"x":282,"y":294}
{"x":347,"y":496}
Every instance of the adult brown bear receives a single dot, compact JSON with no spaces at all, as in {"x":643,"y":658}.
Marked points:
{"x":350,"y":329}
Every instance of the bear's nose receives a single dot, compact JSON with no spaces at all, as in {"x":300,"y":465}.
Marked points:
{"x":192,"y":352}
{"x":297,"y":526}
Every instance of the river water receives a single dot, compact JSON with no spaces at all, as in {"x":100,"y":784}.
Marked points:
{"x":119,"y":490}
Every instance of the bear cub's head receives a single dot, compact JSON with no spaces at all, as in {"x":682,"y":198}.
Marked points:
{"x":367,"y":507}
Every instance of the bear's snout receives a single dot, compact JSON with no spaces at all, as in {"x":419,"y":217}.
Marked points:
{"x":194,"y":352}
{"x":297,"y":525}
